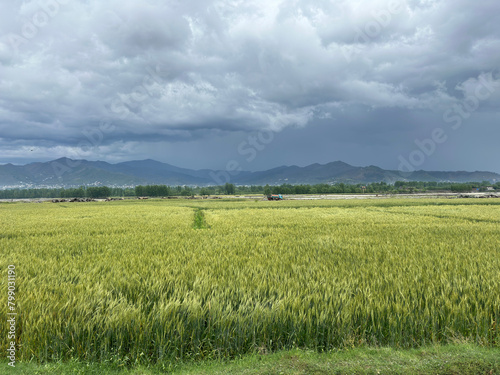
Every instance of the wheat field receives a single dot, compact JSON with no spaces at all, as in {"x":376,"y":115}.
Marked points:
{"x":155,"y":280}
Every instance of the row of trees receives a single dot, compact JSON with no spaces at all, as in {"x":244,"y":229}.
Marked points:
{"x":341,"y":188}
{"x":230,"y":189}
{"x":81,"y":192}
{"x":165,"y":191}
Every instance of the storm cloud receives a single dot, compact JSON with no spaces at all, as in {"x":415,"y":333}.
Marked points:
{"x":188,"y":82}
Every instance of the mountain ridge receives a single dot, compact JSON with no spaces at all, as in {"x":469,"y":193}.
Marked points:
{"x":68,"y":172}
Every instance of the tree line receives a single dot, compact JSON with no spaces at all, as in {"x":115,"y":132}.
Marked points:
{"x":231,"y":189}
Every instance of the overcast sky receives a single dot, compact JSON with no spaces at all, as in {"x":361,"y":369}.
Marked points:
{"x":409,"y":84}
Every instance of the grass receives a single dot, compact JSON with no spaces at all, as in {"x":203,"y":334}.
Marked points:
{"x":466,"y":359}
{"x":138,"y":283}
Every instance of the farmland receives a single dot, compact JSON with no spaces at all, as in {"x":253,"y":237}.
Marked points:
{"x":147,"y":281}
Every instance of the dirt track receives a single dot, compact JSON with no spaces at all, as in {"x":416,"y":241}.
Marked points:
{"x":377,"y":196}
{"x":313,"y":197}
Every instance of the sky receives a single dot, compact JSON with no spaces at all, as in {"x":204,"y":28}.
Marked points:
{"x":252,"y":84}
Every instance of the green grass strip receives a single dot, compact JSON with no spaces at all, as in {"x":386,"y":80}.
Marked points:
{"x":199,"y":220}
{"x":450,"y":359}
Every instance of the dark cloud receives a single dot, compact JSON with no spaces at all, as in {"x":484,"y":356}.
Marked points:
{"x":353,"y":80}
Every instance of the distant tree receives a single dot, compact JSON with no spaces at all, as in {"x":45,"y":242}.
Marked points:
{"x":186,"y":191}
{"x":163,"y":191}
{"x":204,"y":191}
{"x":98,"y":192}
{"x":139,"y":191}
{"x":72,"y":193}
{"x":460,"y":188}
{"x":229,"y":189}
{"x":129,"y":192}
{"x":117,"y":192}
{"x":267,"y":190}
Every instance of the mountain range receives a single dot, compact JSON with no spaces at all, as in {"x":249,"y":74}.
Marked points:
{"x":67,"y":172}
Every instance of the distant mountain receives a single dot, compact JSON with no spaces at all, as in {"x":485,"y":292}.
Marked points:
{"x":68,"y":172}
{"x":337,"y":171}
